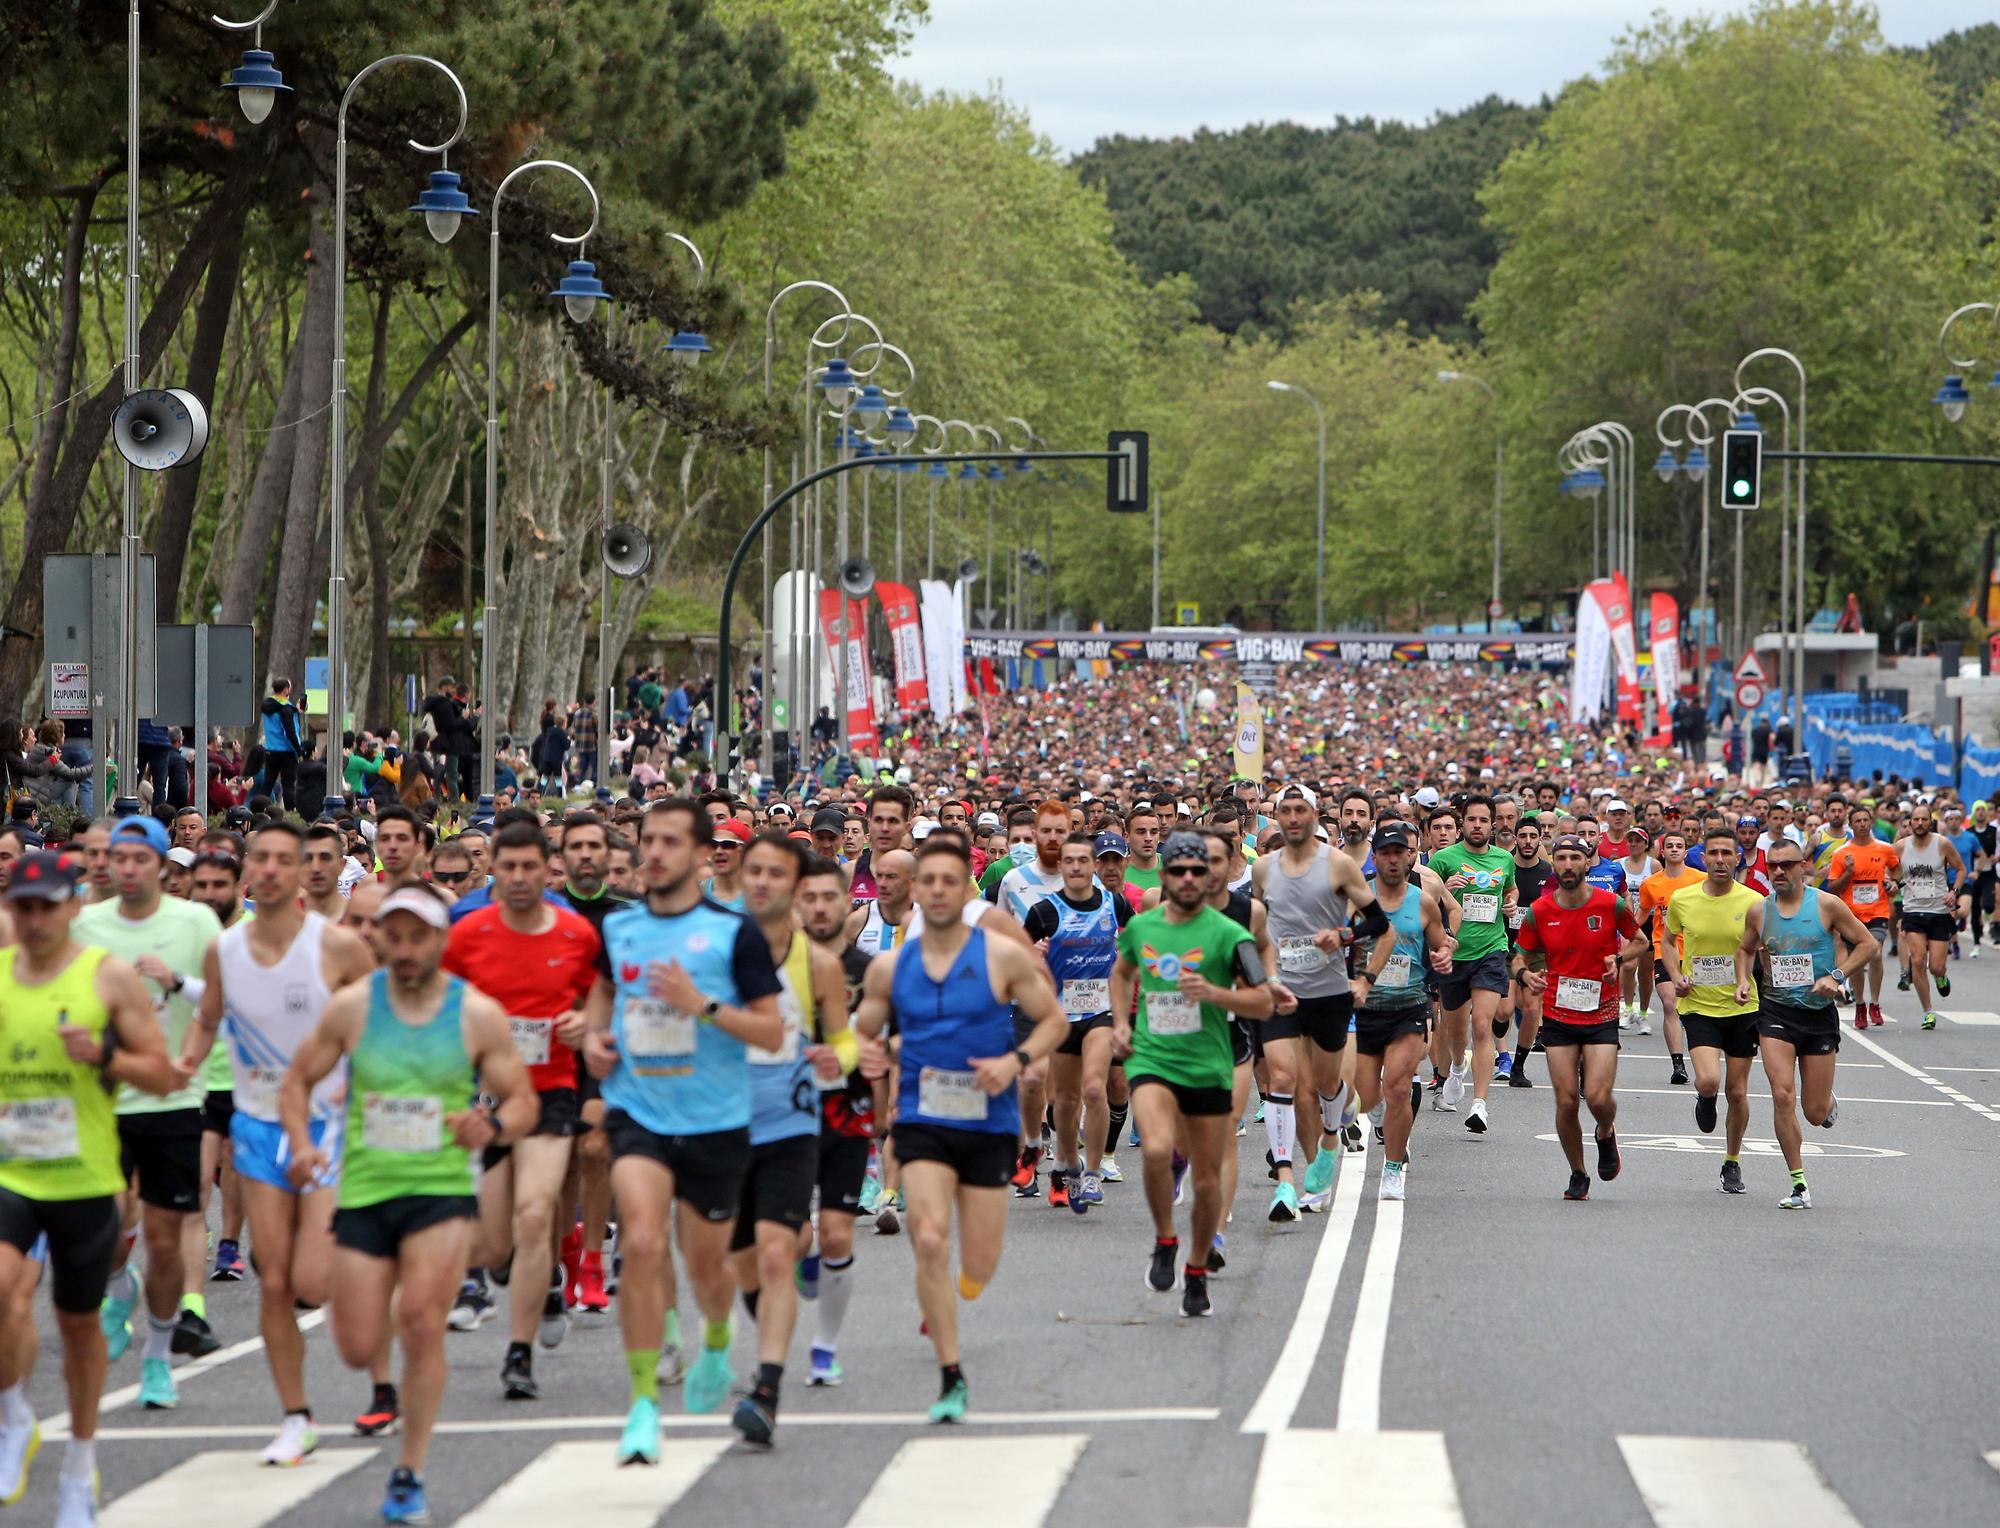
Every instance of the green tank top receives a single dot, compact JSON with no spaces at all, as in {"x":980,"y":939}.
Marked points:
{"x":402,"y":1081}
{"x":58,"y":1134}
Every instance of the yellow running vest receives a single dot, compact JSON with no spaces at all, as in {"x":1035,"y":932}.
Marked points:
{"x":58,"y":1135}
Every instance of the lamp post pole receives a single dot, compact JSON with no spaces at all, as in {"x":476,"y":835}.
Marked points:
{"x":1319,"y":554}
{"x":1798,"y":546}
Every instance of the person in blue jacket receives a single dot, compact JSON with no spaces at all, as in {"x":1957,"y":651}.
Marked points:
{"x":279,"y":778}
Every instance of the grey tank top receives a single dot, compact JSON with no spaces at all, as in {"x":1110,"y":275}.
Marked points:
{"x":1299,"y":907}
{"x":1922,"y":871}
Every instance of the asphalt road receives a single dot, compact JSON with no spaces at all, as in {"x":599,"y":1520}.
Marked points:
{"x":1485,"y":1354}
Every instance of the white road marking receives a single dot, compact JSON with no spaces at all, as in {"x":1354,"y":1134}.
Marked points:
{"x":1952,"y":1095}
{"x":1317,"y":1479}
{"x":1714,"y":1145}
{"x":1731,"y":1483}
{"x":1983,"y":1071}
{"x":1625,"y":1056}
{"x":1360,"y":1407}
{"x":57,"y":1426}
{"x":572,"y":1475}
{"x":986,"y":1482}
{"x":1688,"y":1093}
{"x":229,"y":1484}
{"x":1974,"y":1018}
{"x":1275,"y":1403}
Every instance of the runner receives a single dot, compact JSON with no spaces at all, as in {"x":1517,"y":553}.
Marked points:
{"x":955,"y":1127}
{"x":1142,"y":832}
{"x":1718,"y":993}
{"x":77,"y":1021}
{"x":725,"y":881}
{"x":890,"y":809}
{"x":217,"y":885}
{"x":1036,"y":880}
{"x":1531,"y":874}
{"x":684,"y":988}
{"x":269,"y":978}
{"x":1861,"y":871}
{"x":1077,"y":931}
{"x":1674,"y":874}
{"x":1587,"y":938}
{"x":1926,"y":859}
{"x":1483,"y":878}
{"x":1798,"y":1028}
{"x":1635,"y":999}
{"x":419,"y":1046}
{"x":1193,"y":969}
{"x":872,"y":925}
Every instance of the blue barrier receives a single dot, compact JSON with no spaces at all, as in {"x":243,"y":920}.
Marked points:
{"x":1908,"y":749}
{"x":1979,"y":773}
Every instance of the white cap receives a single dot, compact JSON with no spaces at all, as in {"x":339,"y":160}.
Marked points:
{"x":1427,"y":797}
{"x":182,"y":856}
{"x":1616,"y":805}
{"x":423,"y":904}
{"x":922,"y":829}
{"x":1304,"y":793}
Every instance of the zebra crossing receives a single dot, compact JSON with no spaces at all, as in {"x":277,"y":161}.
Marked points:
{"x":1305,"y":1478}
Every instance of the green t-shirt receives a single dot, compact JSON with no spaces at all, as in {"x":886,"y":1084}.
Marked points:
{"x":995,"y":873}
{"x":1145,"y":880}
{"x":1178,"y":1041}
{"x":180,"y":934}
{"x":1489,"y":872}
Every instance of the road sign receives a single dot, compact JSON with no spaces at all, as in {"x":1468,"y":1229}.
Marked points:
{"x":1749,"y":695}
{"x":1187,"y":613}
{"x":1751,"y":669}
{"x":231,"y":682}
{"x":1494,"y":610}
{"x":83,"y":595}
{"x":69,"y":690}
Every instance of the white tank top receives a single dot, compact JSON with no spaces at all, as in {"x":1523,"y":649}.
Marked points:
{"x":271,"y":1010}
{"x":876,"y":936}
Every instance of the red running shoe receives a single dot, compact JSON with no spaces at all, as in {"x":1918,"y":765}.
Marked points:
{"x":587,"y":1293}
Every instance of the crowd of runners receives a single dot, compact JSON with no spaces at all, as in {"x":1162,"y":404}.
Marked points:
{"x":670,"y":1056}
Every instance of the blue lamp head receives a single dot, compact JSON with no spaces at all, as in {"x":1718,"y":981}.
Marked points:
{"x":443,"y":204}
{"x":581,"y":291}
{"x":1665,"y":465}
{"x":688,"y":347}
{"x":969,"y":470}
{"x":901,"y":427}
{"x":1568,"y":484}
{"x":256,"y":82}
{"x":1748,"y":421}
{"x":1696,"y":465}
{"x":1022,"y":464}
{"x":995,"y":473}
{"x":869,"y":406}
{"x":836,"y":383}
{"x":1590,"y":482}
{"x":1953,"y":398}
{"x":938,"y":470}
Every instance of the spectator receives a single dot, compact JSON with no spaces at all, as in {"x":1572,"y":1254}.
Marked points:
{"x":551,"y":746}
{"x":651,"y":695}
{"x":583,"y":738}
{"x":51,"y":782}
{"x":157,"y":757}
{"x":363,"y":764}
{"x":284,"y":743}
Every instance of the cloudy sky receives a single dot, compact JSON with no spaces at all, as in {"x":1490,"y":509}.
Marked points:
{"x":1157,"y":68}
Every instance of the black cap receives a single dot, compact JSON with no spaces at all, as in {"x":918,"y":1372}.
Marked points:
{"x":829,"y":819}
{"x":47,"y":875}
{"x":1393,"y":835}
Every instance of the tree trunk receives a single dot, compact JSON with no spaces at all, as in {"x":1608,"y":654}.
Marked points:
{"x":292,"y":609}
{"x":265,"y":502}
{"x":49,"y":445}
{"x":211,"y":329}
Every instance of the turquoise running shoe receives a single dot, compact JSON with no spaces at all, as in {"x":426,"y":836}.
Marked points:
{"x":708,"y":1381}
{"x":1319,"y":1174}
{"x":640,"y":1442}
{"x":156,"y":1385}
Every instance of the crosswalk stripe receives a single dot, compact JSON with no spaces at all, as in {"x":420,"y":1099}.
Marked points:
{"x":231,"y":1483}
{"x":986,"y":1482}
{"x":1731,"y":1483}
{"x":568,"y":1475}
{"x":1315,"y":1478}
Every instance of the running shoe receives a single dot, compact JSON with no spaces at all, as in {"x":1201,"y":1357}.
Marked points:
{"x":1645,"y":1021}
{"x":1519,"y":1078}
{"x":673,"y":1365}
{"x":871,"y":1191}
{"x":1058,"y":1188}
{"x":1242,"y":1128}
{"x":756,"y":1418}
{"x":473,"y":1307}
{"x":950,"y":1407}
{"x":1503,"y":1066}
{"x":1704,"y":1113}
{"x":555,"y":1320}
{"x":1284,"y":1205}
{"x":517,"y":1379}
{"x":1438,"y":1104}
{"x":1180,"y":1178}
{"x":1087,"y":1192}
{"x":1395,"y":1178}
{"x":1024,"y":1172}
{"x":1475,"y":1117}
{"x":825,"y":1370}
{"x":1973,"y":953}
{"x":589,"y":1295}
{"x":707,"y":1381}
{"x":194,"y":1337}
{"x":1609,"y":1163}
{"x":1943,"y":984}
{"x":1832,"y":1114}
{"x":405,"y":1501}
{"x":1160,"y":1272}
{"x":1453,"y":1089}
{"x":1194,"y":1294}
{"x":1875,"y":1015}
{"x":640,"y":1442}
{"x":1132,"y":1136}
{"x":228,"y":1267}
{"x":382,"y":1415}
{"x":156,"y":1385}
{"x":1930,"y":1019}
{"x":805,"y":1274}
{"x":295,"y":1440}
{"x":1860,"y":1015}
{"x":1216,"y":1261}
{"x":18,"y":1447}
{"x":1579,"y":1186}
{"x":1679,"y":1079}
{"x":1258,"y":1117}
{"x":1108,"y":1170}
{"x":76,"y":1502}
{"x":115,"y":1317}
{"x":1903,"y":981}
{"x":888,"y":1217}
{"x":1732,"y":1178}
{"x":1319,"y":1172}
{"x":1800,"y":1198}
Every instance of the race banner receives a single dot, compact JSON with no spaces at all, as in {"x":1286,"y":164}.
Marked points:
{"x":1530,"y":649}
{"x":906,"y":643}
{"x":1666,"y":645}
{"x":944,"y":665}
{"x":1249,"y":733}
{"x":1593,"y":657}
{"x":1624,"y":646}
{"x":847,"y":640}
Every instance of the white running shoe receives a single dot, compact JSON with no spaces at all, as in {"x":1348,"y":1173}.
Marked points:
{"x":1453,"y":1089}
{"x":295,"y":1440}
{"x":1395,"y":1176}
{"x":76,"y":1502}
{"x":672,"y":1367}
{"x":1475,"y":1117}
{"x":1107,"y":1169}
{"x":1832,"y":1114}
{"x":1645,"y":1021}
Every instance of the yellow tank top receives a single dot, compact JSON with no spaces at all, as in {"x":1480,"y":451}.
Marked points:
{"x":58,"y":1134}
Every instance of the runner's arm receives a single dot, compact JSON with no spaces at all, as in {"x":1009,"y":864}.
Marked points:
{"x":207,"y":1020}
{"x":1124,"y":980}
{"x":138,"y":1054}
{"x":339,"y":1024}
{"x":489,"y":1042}
{"x":830,"y":1009}
{"x":1852,"y":932}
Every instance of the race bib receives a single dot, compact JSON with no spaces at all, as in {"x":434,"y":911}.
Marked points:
{"x":257,"y":1090}
{"x":654,"y":1028}
{"x":1713,"y":971}
{"x":1172,"y":1013}
{"x":38,"y":1129}
{"x":1792,"y":970}
{"x":1481,"y":907}
{"x":1579,"y":994}
{"x":399,"y":1122}
{"x":1300,"y":955}
{"x":1086,"y":997}
{"x":531,"y":1039}
{"x":1867,"y":894}
{"x":1399,"y":972}
{"x":788,"y":1048}
{"x":950,"y":1095}
{"x":1516,"y":918}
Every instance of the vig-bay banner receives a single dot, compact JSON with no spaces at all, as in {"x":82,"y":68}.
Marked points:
{"x":1548,"y":651}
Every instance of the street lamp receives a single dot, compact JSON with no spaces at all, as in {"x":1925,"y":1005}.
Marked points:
{"x":489,"y":720}
{"x":1319,"y":556}
{"x":443,"y":205}
{"x":1798,"y":540}
{"x":256,"y":80}
{"x":1953,"y":397}
{"x":1499,"y":474}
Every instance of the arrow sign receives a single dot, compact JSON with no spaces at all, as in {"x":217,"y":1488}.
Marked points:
{"x":985,"y":614}
{"x":1751,"y":670}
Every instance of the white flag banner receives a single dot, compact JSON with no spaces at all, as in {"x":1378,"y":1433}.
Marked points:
{"x":1593,"y":656}
{"x":938,"y":617}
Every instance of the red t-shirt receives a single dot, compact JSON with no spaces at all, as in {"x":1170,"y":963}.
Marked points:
{"x":1577,"y":942}
{"x":536,"y":978}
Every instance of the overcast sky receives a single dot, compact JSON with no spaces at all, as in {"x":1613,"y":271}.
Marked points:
{"x":1085,"y":69}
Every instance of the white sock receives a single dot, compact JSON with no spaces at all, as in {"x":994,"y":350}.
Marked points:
{"x":124,"y":1285}
{"x":836,"y":1285}
{"x":14,"y":1408}
{"x":1278,"y":1126}
{"x":80,"y":1459}
{"x":1333,"y":1110}
{"x":159,"y":1338}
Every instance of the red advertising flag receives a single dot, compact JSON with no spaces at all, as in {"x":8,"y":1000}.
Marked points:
{"x":1666,"y":645}
{"x":1624,"y":646}
{"x":906,"y":641}
{"x":847,"y":642}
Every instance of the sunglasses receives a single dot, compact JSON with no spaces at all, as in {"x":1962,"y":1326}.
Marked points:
{"x":1185,"y":870}
{"x":451,"y":877}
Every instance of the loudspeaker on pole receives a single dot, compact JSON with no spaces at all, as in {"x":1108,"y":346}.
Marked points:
{"x":628,"y":551}
{"x":160,"y":427}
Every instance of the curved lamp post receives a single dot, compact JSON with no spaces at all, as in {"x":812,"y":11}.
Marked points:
{"x":1799,"y":612}
{"x":256,"y":79}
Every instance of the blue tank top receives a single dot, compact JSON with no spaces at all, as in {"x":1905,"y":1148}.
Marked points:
{"x":677,"y":1074}
{"x":1081,"y":953}
{"x":1607,"y":875}
{"x":1966,"y":842}
{"x":1402,"y":981}
{"x":945,"y":1024}
{"x":1788,"y":939}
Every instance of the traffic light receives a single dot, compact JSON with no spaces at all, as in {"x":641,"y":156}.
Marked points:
{"x":1125,"y":473}
{"x":1742,"y":468}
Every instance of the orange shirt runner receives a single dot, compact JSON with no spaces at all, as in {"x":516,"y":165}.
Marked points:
{"x":1654,"y":894}
{"x":1867,"y":893}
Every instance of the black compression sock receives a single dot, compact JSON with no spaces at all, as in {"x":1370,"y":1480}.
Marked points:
{"x":1119,"y":1114}
{"x":1520,"y":1055}
{"x":769,"y":1378}
{"x":949,"y":1375}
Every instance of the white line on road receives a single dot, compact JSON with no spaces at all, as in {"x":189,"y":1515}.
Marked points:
{"x":1360,"y":1408}
{"x":1625,"y":1056}
{"x":1952,"y":1095}
{"x":987,"y":1482}
{"x":57,"y":1426}
{"x":1317,"y":1479}
{"x":1688,"y":1093}
{"x":1731,"y":1483}
{"x":226,"y":1486}
{"x":1275,"y":1403}
{"x":572,"y":1475}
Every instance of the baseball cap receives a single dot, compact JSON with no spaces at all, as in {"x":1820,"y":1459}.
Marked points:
{"x":420,"y":903}
{"x":1393,"y":835}
{"x":1108,"y":842}
{"x":1183,"y":846}
{"x":1747,"y":821}
{"x":1302,"y":793}
{"x":1617,"y":805}
{"x":182,"y":857}
{"x":829,"y":819}
{"x":782,"y":809}
{"x":732,"y":827}
{"x":142,"y":830}
{"x":1427,"y":797}
{"x":1570,"y":841}
{"x":47,"y":875}
{"x":922,"y":829}
{"x":987,"y":820}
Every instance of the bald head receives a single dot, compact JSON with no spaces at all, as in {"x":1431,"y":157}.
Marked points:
{"x":893,"y":873}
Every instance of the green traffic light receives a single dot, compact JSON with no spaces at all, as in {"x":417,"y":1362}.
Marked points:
{"x":1740,"y":489}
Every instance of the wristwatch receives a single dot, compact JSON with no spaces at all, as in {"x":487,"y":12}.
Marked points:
{"x":1023,"y":1057}
{"x":710,"y":1009}
{"x":493,"y":1119}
